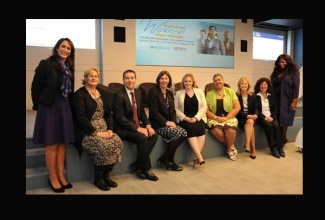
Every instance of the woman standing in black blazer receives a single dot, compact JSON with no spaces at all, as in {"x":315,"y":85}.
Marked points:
{"x":267,"y":115}
{"x":52,"y":91}
{"x":247,"y":114}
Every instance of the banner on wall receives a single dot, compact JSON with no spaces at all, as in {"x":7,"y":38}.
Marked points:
{"x":178,"y":42}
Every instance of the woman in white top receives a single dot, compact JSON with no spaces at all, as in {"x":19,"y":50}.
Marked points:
{"x":191,"y":107}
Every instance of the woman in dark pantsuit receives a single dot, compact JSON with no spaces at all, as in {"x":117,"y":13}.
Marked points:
{"x":267,"y":115}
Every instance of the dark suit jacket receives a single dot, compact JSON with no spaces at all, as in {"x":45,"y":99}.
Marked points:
{"x":123,"y":114}
{"x":252,"y":108}
{"x":46,"y":84}
{"x":159,"y":114}
{"x":272,"y":104}
{"x":230,"y":50}
{"x":84,"y":107}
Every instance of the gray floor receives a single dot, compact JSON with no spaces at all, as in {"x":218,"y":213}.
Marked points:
{"x":263,"y":176}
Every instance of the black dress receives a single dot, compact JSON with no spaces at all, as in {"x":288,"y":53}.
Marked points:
{"x":190,"y":110}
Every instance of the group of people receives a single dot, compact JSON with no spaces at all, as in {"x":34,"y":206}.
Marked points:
{"x":209,"y":43}
{"x":87,"y":119}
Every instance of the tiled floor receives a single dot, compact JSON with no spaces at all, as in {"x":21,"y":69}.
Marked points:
{"x":265,"y":175}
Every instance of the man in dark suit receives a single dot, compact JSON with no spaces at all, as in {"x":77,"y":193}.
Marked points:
{"x":229,"y":46}
{"x":125,"y":125}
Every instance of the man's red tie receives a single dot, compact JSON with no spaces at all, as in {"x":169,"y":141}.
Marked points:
{"x":134,"y":109}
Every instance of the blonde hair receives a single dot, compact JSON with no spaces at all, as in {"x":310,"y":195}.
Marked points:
{"x":192,"y":78}
{"x":89,"y":71}
{"x":249,"y":92}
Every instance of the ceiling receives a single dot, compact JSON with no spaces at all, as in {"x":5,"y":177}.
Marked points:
{"x":279,"y":24}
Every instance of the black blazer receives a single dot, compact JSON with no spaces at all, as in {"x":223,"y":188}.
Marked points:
{"x":84,"y":107}
{"x":46,"y":84}
{"x":123,"y":114}
{"x":272,"y":104}
{"x":159,"y":114}
{"x":251,"y":104}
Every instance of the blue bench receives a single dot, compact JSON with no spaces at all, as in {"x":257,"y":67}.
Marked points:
{"x":82,"y":168}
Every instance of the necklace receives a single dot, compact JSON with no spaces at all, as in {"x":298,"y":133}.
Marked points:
{"x":93,"y":93}
{"x":220,"y":94}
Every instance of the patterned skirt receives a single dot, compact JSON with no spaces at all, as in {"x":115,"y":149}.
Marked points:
{"x":230,"y":123}
{"x":171,"y":134}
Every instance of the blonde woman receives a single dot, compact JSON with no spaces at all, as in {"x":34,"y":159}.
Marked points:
{"x":247,"y":114}
{"x":191,"y":107}
{"x":94,"y":129}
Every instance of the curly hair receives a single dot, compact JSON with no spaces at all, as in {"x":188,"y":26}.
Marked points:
{"x":259,"y":82}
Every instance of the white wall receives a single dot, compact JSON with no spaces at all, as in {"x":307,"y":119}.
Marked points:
{"x":117,"y":57}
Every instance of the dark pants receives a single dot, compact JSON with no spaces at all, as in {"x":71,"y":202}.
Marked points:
{"x":272,"y":132}
{"x":144,"y":147}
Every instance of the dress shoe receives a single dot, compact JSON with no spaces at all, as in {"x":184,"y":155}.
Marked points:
{"x":149,"y":175}
{"x":202,"y":162}
{"x":195,"y":161}
{"x":175,"y":167}
{"x":68,"y":186}
{"x":137,"y":169}
{"x":247,"y":151}
{"x":281,"y":152}
{"x":275,"y":153}
{"x":253,"y":157}
{"x":59,"y":190}
{"x":165,"y":162}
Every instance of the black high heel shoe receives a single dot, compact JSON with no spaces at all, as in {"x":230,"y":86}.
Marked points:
{"x":68,"y":186}
{"x":247,"y":151}
{"x":59,"y":190}
{"x":165,"y":162}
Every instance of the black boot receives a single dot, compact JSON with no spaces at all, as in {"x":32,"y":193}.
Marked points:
{"x":99,"y":178}
{"x":111,"y":183}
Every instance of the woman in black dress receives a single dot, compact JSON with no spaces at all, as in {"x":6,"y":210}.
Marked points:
{"x":191,"y":107}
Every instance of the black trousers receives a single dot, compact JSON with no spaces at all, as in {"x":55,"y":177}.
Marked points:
{"x":272,"y":132}
{"x":144,"y":147}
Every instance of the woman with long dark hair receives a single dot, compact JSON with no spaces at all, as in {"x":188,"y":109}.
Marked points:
{"x":285,"y":81}
{"x":52,"y":90}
